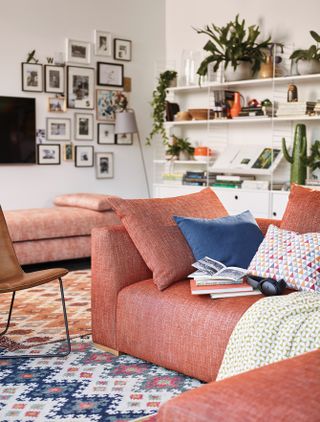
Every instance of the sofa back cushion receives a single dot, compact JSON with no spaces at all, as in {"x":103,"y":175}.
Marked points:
{"x":91,"y":201}
{"x":302,"y":214}
{"x":152,"y":229}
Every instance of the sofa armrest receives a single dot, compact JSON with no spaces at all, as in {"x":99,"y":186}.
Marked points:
{"x":116,"y":263}
{"x":264,"y":223}
{"x":284,"y":391}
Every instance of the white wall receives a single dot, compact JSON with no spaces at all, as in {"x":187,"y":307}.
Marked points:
{"x":44,"y":25}
{"x":285,"y":20}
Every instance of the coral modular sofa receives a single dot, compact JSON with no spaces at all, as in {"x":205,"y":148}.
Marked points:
{"x":142,"y":306}
{"x":61,"y":232}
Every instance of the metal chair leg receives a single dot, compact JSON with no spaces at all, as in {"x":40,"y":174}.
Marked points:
{"x":9,"y":316}
{"x":48,"y":355}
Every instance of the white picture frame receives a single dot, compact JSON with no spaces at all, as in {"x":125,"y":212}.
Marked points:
{"x":58,"y":129}
{"x":102,"y":43}
{"x":106,"y":135}
{"x":104,"y":165}
{"x":78,"y":51}
{"x":83,"y":126}
{"x":80,"y":87}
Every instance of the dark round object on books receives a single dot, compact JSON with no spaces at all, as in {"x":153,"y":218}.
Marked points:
{"x":268,"y":286}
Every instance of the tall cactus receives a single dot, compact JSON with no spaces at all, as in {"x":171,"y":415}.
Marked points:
{"x":298,"y":158}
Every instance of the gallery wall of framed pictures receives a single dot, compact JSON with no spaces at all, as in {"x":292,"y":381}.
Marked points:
{"x":83,"y":94}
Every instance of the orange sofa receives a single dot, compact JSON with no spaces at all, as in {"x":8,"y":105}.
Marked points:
{"x":170,"y":328}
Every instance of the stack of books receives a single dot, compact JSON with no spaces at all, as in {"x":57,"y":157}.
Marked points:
{"x":297,"y":108}
{"x":214,"y":278}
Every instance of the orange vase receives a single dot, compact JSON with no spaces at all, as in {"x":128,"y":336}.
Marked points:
{"x":236,"y":106}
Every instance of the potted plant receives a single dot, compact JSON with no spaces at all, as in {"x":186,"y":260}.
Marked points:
{"x":308,"y":61}
{"x":158,"y":104}
{"x":179,"y":149}
{"x":235,"y":46}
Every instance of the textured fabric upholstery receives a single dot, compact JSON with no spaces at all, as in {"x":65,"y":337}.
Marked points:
{"x":116,"y":263}
{"x":57,"y":222}
{"x":264,"y":223}
{"x":150,"y":225}
{"x":175,"y":329}
{"x":285,"y":391}
{"x":302,"y":214}
{"x":91,"y":201}
{"x":49,"y":250}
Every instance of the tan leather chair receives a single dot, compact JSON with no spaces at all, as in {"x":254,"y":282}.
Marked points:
{"x":13,"y":278}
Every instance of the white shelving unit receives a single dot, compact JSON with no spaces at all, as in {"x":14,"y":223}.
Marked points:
{"x":220,"y":134}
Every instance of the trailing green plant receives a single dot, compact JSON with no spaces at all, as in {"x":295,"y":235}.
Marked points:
{"x":158,"y":104}
{"x":231,"y":44}
{"x":178,"y":145}
{"x":312,"y":53}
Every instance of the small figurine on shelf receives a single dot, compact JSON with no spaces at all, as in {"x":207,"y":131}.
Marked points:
{"x":292,"y":95}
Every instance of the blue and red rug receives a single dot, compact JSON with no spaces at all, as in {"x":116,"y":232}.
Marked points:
{"x":88,"y":385}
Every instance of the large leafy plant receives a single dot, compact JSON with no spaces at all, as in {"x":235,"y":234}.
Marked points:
{"x":233,"y":43}
{"x":158,"y":104}
{"x":312,"y":53}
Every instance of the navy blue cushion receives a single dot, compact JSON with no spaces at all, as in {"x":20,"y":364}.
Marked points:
{"x":232,"y":240}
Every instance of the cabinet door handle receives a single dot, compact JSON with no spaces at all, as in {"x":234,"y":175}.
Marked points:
{"x":236,"y":197}
{"x":274,"y":214}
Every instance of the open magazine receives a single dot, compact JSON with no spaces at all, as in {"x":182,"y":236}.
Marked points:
{"x":210,"y":270}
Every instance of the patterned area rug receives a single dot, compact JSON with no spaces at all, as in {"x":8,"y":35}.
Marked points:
{"x":88,"y":385}
{"x":37,"y":314}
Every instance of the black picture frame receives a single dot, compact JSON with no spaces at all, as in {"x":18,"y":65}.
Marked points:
{"x":124,"y":138}
{"x":85,"y":100}
{"x":54,"y":83}
{"x":110,"y":74}
{"x":78,"y":159}
{"x":83,"y":126}
{"x":31,"y":77}
{"x":56,"y":160}
{"x":122,"y":50}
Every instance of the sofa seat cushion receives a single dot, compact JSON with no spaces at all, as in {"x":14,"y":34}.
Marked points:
{"x":57,"y":222}
{"x":185,"y":333}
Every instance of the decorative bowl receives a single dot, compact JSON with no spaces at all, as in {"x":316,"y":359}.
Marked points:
{"x":200,"y":113}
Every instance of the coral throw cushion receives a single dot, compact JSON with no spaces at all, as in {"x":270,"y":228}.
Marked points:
{"x":302,"y":214}
{"x":91,"y":201}
{"x":223,"y":238}
{"x":152,"y":229}
{"x":287,"y":255}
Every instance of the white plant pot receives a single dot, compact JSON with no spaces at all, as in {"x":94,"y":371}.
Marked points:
{"x":307,"y":67}
{"x":243,"y":71}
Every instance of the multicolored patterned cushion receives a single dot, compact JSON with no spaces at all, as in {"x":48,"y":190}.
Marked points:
{"x":290,"y":256}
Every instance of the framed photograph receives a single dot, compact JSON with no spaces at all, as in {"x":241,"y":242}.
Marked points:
{"x":56,"y":104}
{"x":68,"y":152}
{"x":54,"y":79}
{"x":58,"y":129}
{"x":104,"y":165}
{"x":83,"y":126}
{"x":124,"y":139}
{"x":106,"y":133}
{"x":48,"y":154}
{"x":110,"y":74}
{"x":32,"y":78}
{"x":102,"y":43}
{"x":78,"y":51}
{"x":83,"y":156}
{"x":122,"y":50}
{"x":80,"y":87}
{"x":108,"y":102}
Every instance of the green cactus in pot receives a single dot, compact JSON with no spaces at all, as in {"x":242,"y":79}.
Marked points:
{"x":298,"y":158}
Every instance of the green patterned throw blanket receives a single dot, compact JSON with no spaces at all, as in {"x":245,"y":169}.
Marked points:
{"x":272,"y":329}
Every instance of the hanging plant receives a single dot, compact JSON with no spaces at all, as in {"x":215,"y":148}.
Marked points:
{"x":158,"y":104}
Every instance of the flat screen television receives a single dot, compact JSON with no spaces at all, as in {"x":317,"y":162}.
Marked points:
{"x":17,"y":130}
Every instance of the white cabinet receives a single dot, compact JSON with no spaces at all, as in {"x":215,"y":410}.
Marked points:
{"x":223,"y":135}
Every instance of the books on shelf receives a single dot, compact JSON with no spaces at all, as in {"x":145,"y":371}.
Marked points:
{"x":214,"y":278}
{"x":296,"y":108}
